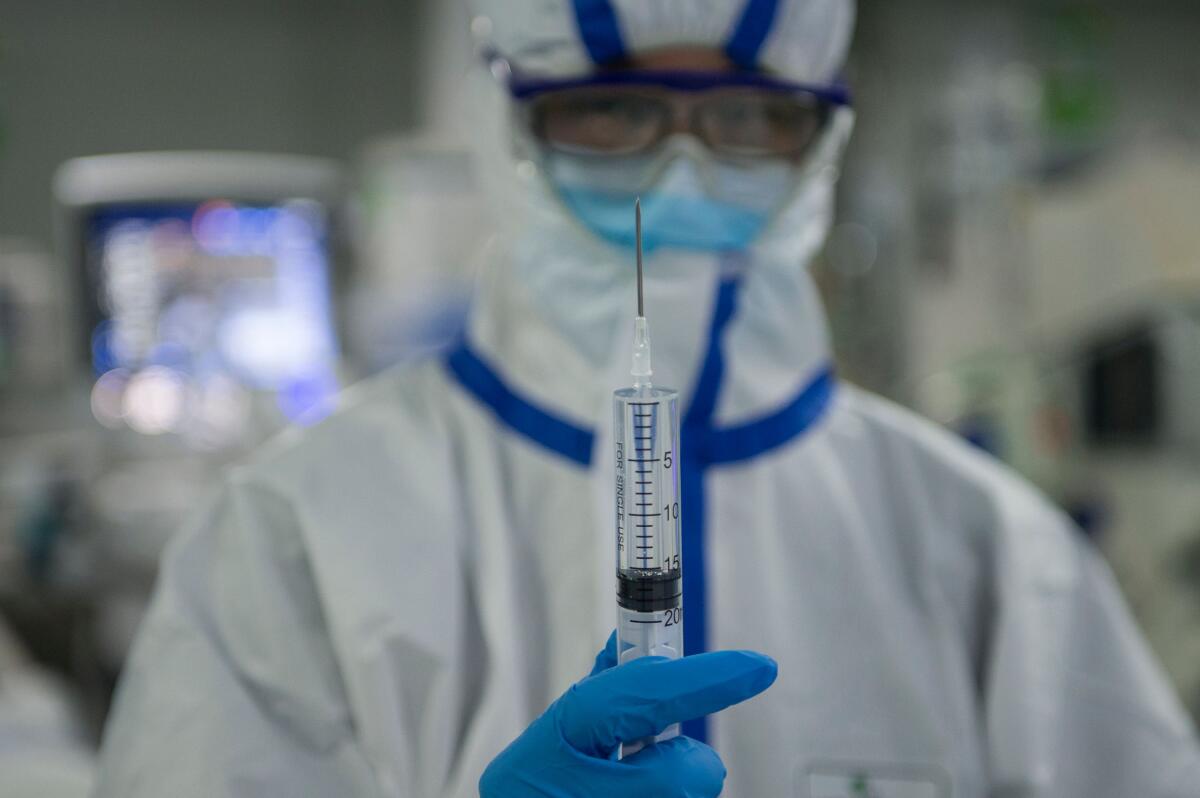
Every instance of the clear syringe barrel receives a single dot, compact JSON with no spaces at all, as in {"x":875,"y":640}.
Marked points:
{"x":649,"y":576}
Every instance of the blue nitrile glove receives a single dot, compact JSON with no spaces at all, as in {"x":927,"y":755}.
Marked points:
{"x":569,"y":752}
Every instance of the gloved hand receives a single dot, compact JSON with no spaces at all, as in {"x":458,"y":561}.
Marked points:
{"x":569,"y":752}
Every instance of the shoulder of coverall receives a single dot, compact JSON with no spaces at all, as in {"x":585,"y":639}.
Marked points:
{"x":963,"y":496}
{"x":242,"y":579}
{"x":402,"y":408}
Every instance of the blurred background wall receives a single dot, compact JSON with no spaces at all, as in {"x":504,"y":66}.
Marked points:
{"x":298,"y":76}
{"x":1016,"y":256}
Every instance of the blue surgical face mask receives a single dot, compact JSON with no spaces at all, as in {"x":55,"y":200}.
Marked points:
{"x":705,"y":206}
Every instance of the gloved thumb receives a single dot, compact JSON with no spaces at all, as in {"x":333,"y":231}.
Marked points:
{"x":643,"y":697}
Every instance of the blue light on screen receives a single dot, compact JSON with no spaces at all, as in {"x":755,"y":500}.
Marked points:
{"x":213,"y":294}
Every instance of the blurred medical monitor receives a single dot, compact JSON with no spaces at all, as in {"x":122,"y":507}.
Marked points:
{"x":204,"y":285}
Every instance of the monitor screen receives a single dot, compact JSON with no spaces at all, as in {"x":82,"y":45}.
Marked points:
{"x":196,"y":309}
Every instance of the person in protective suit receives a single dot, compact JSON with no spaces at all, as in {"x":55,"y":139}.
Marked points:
{"x":402,"y":600}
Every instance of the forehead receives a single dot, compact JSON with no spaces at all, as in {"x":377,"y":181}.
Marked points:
{"x":699,"y":59}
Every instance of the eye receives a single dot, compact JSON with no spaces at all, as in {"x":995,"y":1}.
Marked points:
{"x":736,"y":122}
{"x":596,"y":121}
{"x":736,"y":112}
{"x":617,"y":114}
{"x":757,"y":123}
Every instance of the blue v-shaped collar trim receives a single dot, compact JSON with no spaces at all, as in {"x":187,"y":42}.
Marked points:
{"x":712,"y":445}
{"x":522,"y":415}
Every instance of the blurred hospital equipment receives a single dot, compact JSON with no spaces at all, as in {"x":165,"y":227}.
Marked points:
{"x":421,"y":222}
{"x":204,"y":284}
{"x":1126,"y":384}
{"x":201,"y":291}
{"x":204,"y":279}
{"x":1091,"y":388}
{"x":1037,"y":268}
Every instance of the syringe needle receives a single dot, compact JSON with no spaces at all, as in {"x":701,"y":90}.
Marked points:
{"x":641,"y":334}
{"x":637,"y":212}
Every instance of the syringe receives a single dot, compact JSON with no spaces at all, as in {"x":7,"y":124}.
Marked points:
{"x":649,"y":577}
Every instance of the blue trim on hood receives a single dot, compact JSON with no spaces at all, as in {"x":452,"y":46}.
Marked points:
{"x":524,"y":87}
{"x":696,"y":424}
{"x":599,"y":30}
{"x":704,"y":396}
{"x":746,"y":441}
{"x":752,"y":29}
{"x":541,"y":426}
{"x":708,"y":446}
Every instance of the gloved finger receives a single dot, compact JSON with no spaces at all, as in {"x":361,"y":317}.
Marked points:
{"x":643,"y":697}
{"x":677,"y":768}
{"x":607,"y":658}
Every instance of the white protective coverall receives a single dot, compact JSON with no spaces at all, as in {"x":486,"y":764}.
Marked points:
{"x":377,"y":605}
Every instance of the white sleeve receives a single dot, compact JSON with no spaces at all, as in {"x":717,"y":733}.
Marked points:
{"x":232,"y":688}
{"x":1076,"y":705}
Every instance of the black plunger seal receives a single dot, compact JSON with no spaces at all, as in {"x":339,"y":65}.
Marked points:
{"x":650,"y":592}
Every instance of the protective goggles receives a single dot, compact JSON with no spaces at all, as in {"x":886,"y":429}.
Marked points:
{"x":629,"y":113}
